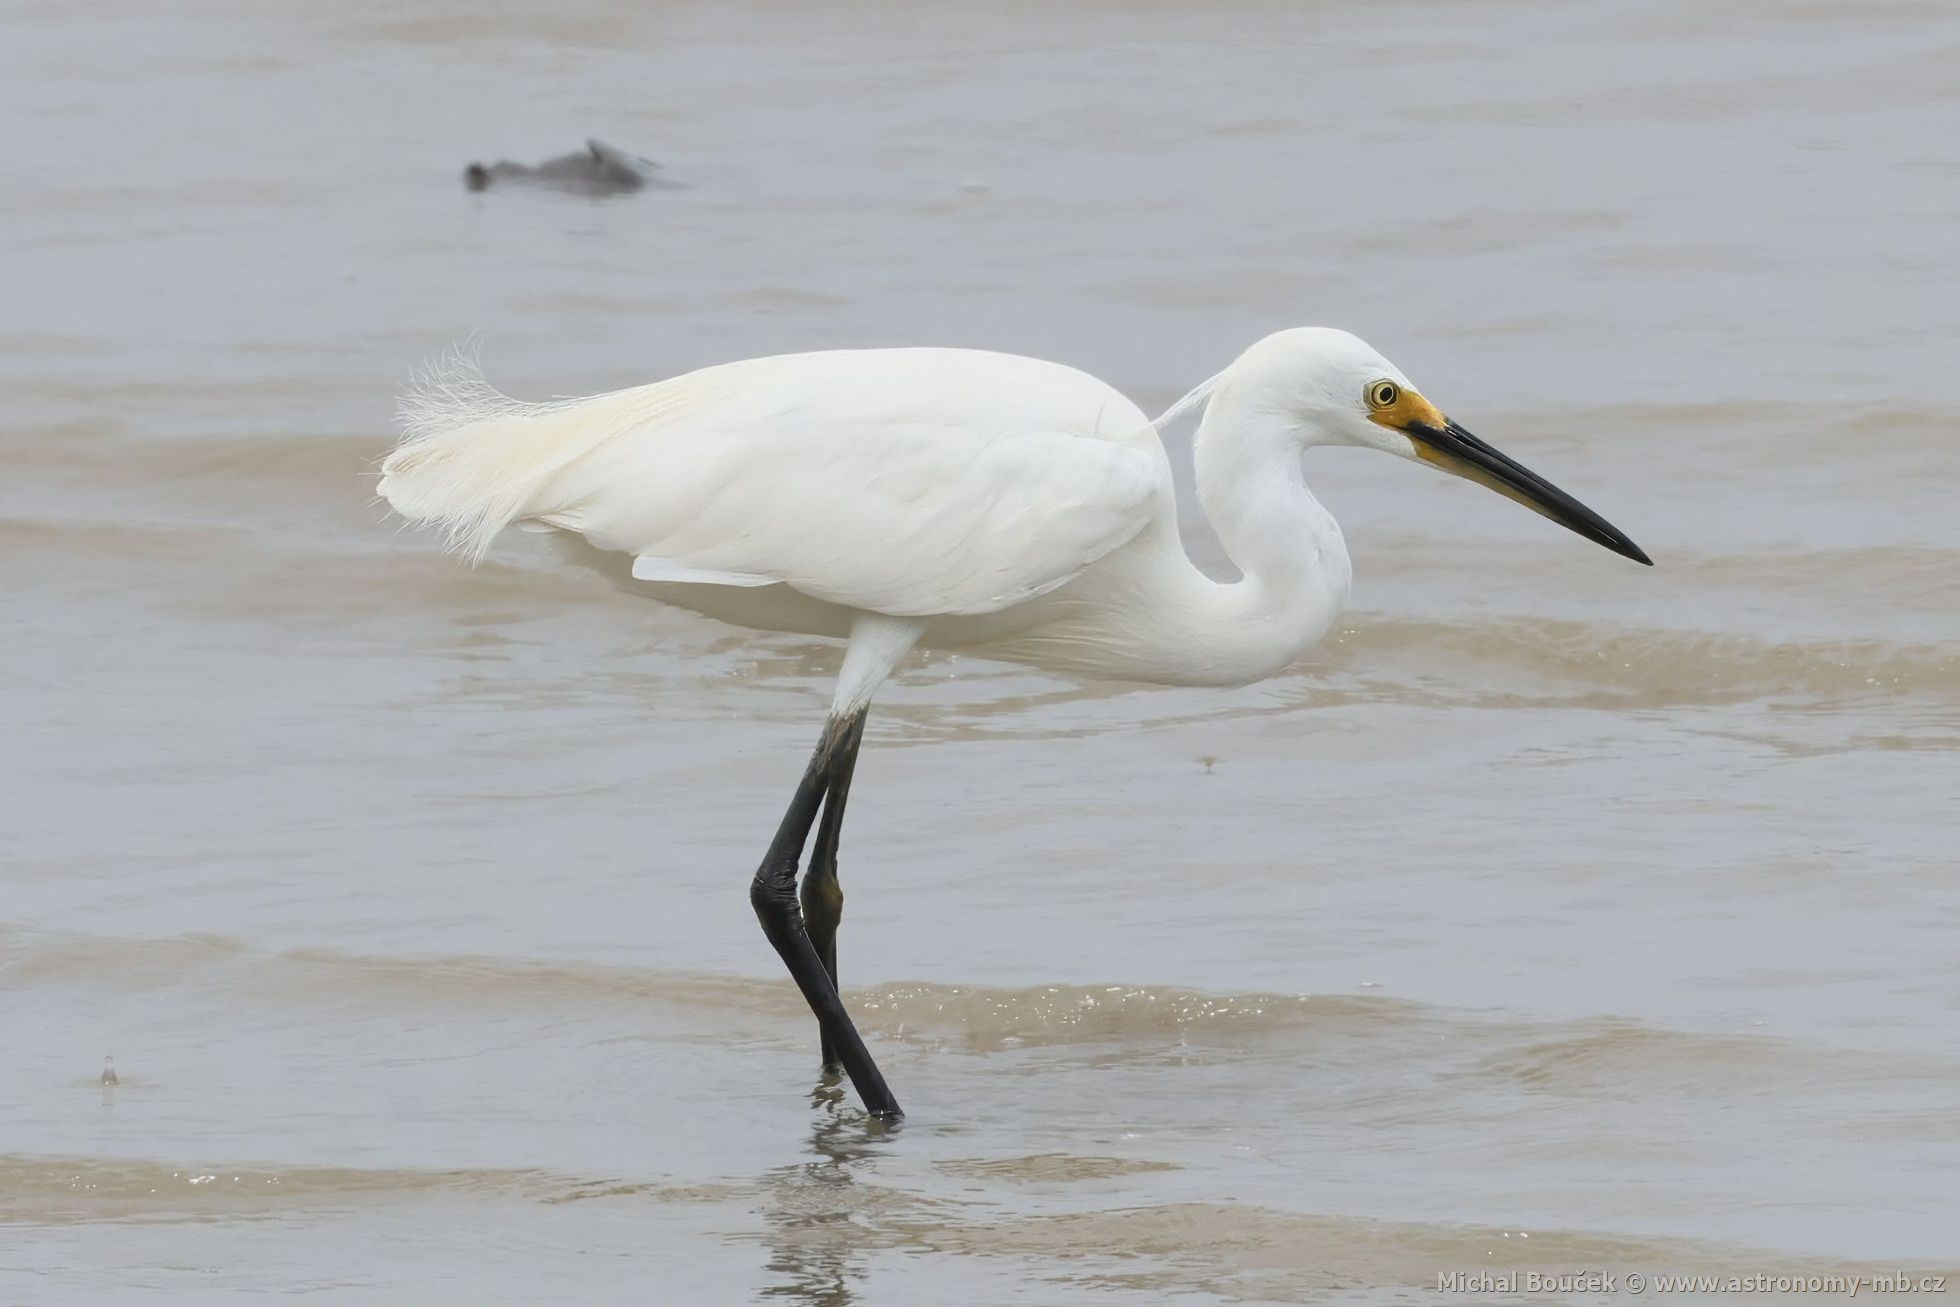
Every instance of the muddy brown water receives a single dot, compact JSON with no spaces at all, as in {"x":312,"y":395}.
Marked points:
{"x":1556,"y":914}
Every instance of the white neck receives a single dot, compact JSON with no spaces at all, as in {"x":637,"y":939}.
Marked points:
{"x":1294,"y":566}
{"x":1158,"y":618}
{"x":1255,"y":495}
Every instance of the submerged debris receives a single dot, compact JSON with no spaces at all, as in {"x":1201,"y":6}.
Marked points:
{"x":598,"y":169}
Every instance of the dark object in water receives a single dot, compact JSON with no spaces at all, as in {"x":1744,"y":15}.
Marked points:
{"x":598,"y":169}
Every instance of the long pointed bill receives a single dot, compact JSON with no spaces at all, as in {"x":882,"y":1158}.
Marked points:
{"x":1455,"y":450}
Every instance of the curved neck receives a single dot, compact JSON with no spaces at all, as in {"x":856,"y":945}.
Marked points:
{"x":1252,"y":489}
{"x":1151,"y":615}
{"x":1294,"y":566}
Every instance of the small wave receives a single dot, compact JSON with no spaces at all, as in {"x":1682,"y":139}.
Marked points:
{"x":55,"y":1189}
{"x":980,"y":1018}
{"x":1604,"y":1055}
{"x":1824,"y":432}
{"x":1614,"y":1057}
{"x":1238,"y":1250}
{"x":1052,"y":1168}
{"x":977,"y":1016}
{"x":95,"y":1188}
{"x":1551,"y":659}
{"x":1244,"y":1252}
{"x":814,"y":1214}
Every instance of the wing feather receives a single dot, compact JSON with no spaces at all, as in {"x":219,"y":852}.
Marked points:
{"x":906,"y":482}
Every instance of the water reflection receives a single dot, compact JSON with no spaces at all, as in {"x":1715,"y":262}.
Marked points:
{"x":817,"y":1246}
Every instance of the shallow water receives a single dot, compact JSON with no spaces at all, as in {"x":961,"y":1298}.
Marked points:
{"x":1555,"y":914}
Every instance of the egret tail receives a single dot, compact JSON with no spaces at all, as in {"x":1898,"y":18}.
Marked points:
{"x":472,"y":460}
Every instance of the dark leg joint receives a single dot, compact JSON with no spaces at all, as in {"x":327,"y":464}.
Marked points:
{"x":823,"y":908}
{"x":812,"y":961}
{"x":773,"y":893}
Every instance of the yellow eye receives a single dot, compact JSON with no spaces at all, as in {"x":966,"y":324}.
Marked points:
{"x":1383,"y":394}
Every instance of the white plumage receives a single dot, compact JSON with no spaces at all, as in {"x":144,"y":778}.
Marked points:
{"x":905,"y":482}
{"x":807,"y":491}
{"x":985,"y":500}
{"x":946,"y":497}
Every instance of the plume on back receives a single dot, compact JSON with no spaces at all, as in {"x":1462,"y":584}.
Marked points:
{"x":1193,"y":401}
{"x":472,"y":460}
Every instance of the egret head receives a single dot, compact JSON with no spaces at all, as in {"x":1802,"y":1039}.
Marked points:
{"x":1338,"y":390}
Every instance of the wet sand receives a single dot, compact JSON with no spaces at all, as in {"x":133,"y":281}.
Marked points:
{"x":1555,"y":914}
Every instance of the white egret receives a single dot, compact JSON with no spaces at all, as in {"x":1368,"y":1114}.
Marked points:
{"x":901,"y":498}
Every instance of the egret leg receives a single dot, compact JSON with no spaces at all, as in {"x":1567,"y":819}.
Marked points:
{"x":773,"y":894}
{"x":821,"y":895}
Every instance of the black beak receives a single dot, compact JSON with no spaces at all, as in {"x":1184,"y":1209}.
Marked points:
{"x":1455,"y":450}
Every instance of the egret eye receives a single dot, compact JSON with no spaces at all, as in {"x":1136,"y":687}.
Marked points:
{"x":1383,"y":394}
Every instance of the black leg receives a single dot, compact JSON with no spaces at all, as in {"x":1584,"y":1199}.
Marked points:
{"x":773,"y":894}
{"x":822,"y":896}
